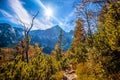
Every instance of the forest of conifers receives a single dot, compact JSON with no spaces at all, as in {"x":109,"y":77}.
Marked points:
{"x":94,"y":53}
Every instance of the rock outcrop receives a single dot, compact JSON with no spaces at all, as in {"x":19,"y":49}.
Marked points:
{"x":69,"y":74}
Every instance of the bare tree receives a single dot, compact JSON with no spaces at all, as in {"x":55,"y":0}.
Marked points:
{"x":26,"y":34}
{"x":88,"y":15}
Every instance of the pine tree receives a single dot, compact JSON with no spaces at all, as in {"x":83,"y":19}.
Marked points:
{"x":78,"y":34}
{"x":58,"y":47}
{"x":78,"y":41}
{"x":60,"y":42}
{"x":112,"y":26}
{"x":108,"y":40}
{"x":112,"y":29}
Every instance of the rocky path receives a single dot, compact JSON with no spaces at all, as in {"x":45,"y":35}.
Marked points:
{"x":69,"y":74}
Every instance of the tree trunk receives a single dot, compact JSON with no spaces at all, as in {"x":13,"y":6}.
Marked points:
{"x":27,"y":48}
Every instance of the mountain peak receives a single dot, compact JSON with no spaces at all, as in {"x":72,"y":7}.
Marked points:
{"x":57,"y":27}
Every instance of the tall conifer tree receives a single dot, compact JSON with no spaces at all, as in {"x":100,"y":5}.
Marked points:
{"x":78,"y":41}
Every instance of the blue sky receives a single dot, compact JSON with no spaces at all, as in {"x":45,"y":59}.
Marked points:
{"x":63,"y":13}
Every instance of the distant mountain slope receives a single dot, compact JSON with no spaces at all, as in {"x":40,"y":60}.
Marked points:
{"x":9,"y":36}
{"x":49,"y":37}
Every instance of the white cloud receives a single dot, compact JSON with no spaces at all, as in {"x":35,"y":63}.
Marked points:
{"x":41,"y":23}
{"x":6,"y":14}
{"x":69,"y":21}
{"x":20,"y":11}
{"x":22,"y":14}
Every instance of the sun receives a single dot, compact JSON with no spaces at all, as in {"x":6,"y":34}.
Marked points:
{"x":49,"y":12}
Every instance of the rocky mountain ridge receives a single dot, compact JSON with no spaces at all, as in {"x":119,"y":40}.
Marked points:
{"x":9,"y":36}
